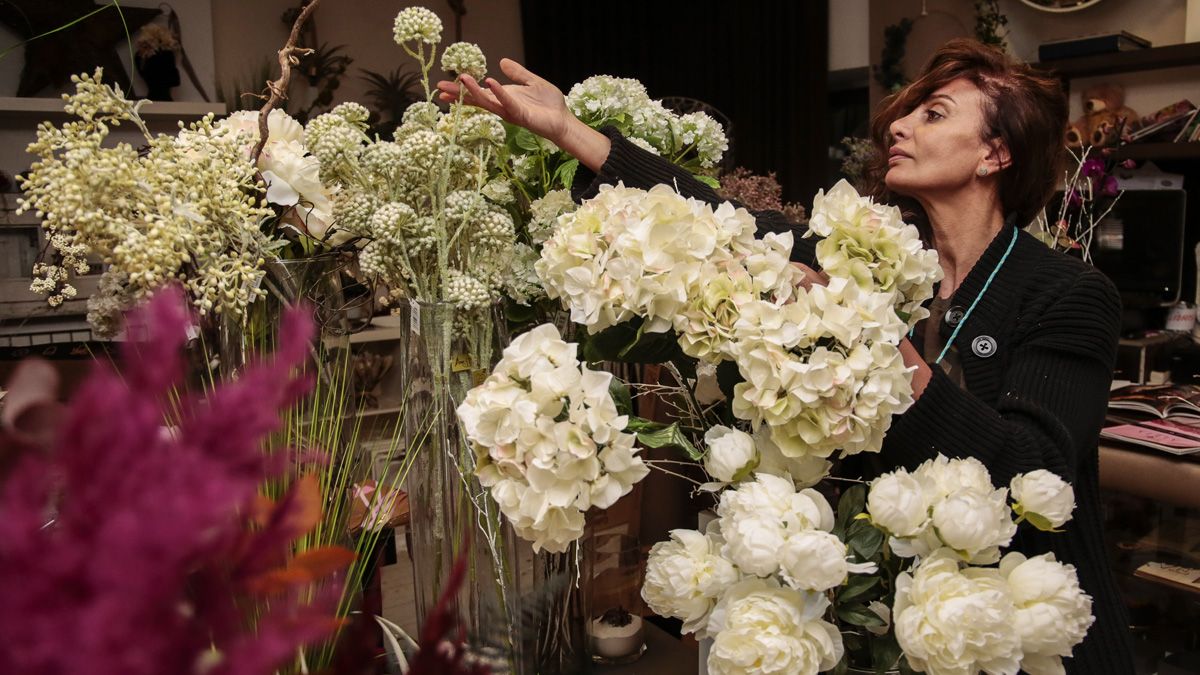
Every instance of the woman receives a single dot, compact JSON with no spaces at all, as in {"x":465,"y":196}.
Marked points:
{"x":1014,"y":366}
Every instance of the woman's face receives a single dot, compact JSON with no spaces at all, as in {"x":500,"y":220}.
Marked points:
{"x":939,"y":146}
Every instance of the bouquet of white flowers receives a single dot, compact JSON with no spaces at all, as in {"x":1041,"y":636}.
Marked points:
{"x":778,"y":554}
{"x":549,"y":441}
{"x":438,"y":227}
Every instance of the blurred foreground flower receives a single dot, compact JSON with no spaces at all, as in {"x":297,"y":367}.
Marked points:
{"x":146,"y":549}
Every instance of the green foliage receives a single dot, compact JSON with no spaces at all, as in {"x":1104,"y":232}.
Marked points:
{"x":658,"y":435}
{"x":889,"y":73}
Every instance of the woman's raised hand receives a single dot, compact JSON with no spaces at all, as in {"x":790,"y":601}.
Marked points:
{"x":529,"y":102}
{"x":535,"y":104}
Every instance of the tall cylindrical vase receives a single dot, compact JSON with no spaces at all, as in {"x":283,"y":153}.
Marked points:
{"x":556,"y":610}
{"x":447,"y":353}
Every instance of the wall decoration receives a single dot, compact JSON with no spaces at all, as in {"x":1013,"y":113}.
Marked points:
{"x":1060,"y":5}
{"x":51,"y":60}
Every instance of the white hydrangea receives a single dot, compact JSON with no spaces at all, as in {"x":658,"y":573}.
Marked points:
{"x":544,"y":213}
{"x":417,"y":24}
{"x":604,"y":97}
{"x":465,"y":58}
{"x":951,"y":620}
{"x":759,"y":626}
{"x":700,"y":132}
{"x":685,"y":576}
{"x":548,"y":439}
{"x":870,"y":244}
{"x":630,"y":252}
{"x":1053,"y":613}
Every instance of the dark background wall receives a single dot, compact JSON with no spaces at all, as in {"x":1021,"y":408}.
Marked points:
{"x":762,"y":63}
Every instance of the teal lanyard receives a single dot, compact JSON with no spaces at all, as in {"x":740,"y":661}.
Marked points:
{"x":979,"y":297}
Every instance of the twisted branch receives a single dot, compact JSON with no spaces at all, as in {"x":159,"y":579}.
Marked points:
{"x":287,"y":58}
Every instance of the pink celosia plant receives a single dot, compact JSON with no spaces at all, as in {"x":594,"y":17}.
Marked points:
{"x":130,"y":548}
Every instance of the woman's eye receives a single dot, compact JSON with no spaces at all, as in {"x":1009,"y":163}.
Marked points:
{"x":933,"y":115}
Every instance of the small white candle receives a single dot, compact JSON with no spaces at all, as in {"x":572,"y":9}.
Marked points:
{"x":614,"y":642}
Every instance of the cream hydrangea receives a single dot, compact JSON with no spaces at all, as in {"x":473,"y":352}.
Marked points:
{"x":1053,"y":613}
{"x":685,"y":576}
{"x":950,"y":620}
{"x":548,"y":439}
{"x":634,"y":253}
{"x":759,"y":626}
{"x":870,"y":244}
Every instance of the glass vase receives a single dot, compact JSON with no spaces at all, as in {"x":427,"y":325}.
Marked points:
{"x":556,"y":610}
{"x":446,"y":353}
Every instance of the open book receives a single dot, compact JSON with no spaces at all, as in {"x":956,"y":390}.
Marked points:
{"x":1160,"y":400}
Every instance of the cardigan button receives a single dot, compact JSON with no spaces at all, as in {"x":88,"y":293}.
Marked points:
{"x":954,"y":316}
{"x":983,"y":346}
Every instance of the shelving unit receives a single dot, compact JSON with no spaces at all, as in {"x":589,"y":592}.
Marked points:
{"x":1152,"y":58}
{"x":13,"y":107}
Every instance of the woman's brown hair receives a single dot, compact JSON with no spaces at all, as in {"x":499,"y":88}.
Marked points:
{"x":1023,"y":108}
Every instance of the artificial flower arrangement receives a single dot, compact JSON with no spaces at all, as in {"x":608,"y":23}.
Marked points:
{"x":780,"y":581}
{"x":437,"y":224}
{"x":187,"y":209}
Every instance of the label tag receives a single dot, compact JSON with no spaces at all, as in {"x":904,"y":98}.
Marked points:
{"x":460,"y":363}
{"x":414,"y":320}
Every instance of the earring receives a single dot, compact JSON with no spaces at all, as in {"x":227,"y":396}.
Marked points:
{"x":982,"y":171}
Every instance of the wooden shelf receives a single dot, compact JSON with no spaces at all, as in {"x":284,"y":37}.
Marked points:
{"x":1158,"y":151}
{"x":1170,"y":56}
{"x":21,"y":107}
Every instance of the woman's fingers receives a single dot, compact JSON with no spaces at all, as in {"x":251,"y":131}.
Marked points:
{"x":517,"y":72}
{"x":481,"y":97}
{"x":811,"y":277}
{"x":502,"y":95}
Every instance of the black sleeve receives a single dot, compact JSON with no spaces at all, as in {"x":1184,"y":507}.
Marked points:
{"x":1053,"y":400}
{"x":635,"y":167}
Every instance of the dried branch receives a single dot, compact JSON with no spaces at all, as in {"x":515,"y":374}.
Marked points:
{"x":287,"y":58}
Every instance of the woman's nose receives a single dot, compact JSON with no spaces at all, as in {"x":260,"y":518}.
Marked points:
{"x":898,"y":129}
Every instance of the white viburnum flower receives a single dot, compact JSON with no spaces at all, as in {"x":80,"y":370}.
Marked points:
{"x":417,"y":24}
{"x":949,"y":620}
{"x":1053,"y":613}
{"x":759,"y":626}
{"x":1043,"y":498}
{"x":731,"y":454}
{"x":684,"y":577}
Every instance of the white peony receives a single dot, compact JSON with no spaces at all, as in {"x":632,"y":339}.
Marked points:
{"x":1053,"y":613}
{"x":814,"y":561}
{"x":944,"y":476}
{"x":952,"y":621}
{"x":898,"y":504}
{"x":684,"y":577}
{"x":731,"y":454}
{"x":975,"y":524}
{"x":760,"y":627}
{"x":757,"y":516}
{"x":1044,"y":495}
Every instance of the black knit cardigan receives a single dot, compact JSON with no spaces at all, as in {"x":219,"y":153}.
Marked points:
{"x":1035,"y":401}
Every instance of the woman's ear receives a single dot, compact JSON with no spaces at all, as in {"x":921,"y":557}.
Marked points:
{"x":997,"y":157}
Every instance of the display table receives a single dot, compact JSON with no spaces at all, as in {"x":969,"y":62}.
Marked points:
{"x":664,"y":656}
{"x":1150,"y":473}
